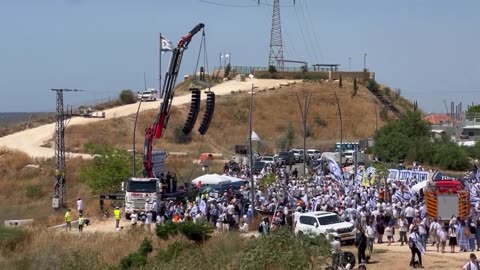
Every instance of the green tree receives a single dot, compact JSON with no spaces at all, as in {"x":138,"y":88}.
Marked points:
{"x":290,"y":135}
{"x":393,"y":142}
{"x":272,"y":69}
{"x":474,"y":109}
{"x":450,"y":156}
{"x":228,"y":68}
{"x":127,"y":97}
{"x":109,"y":167}
{"x":355,"y":87}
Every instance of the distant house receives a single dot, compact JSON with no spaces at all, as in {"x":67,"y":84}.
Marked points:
{"x":439,"y":119}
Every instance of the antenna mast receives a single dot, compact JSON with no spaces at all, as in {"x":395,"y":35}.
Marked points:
{"x":59,"y":187}
{"x":275,"y":57}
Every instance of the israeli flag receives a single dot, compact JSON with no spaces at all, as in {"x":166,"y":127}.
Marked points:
{"x":166,"y":45}
{"x":335,"y":169}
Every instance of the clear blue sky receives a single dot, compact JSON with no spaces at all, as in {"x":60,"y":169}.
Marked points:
{"x":429,"y":49}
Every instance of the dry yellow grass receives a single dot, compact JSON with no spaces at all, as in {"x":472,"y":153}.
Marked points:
{"x":273,"y":111}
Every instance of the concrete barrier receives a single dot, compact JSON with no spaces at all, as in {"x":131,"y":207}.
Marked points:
{"x":18,"y":222}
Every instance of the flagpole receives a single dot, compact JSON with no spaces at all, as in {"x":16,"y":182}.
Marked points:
{"x":252,"y":184}
{"x":160,"y":68}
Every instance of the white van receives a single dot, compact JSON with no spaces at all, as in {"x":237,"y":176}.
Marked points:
{"x":326,"y":223}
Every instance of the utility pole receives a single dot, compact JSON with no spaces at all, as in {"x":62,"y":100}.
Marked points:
{"x":349,"y":63}
{"x":59,"y":187}
{"x":365,"y":61}
{"x":341,"y":128}
{"x":275,"y":57}
{"x":252,"y":183}
{"x":304,"y":112}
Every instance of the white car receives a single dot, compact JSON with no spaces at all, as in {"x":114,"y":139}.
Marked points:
{"x":314,"y":153}
{"x":298,"y":154}
{"x":269,"y":160}
{"x":149,"y":95}
{"x":326,"y":223}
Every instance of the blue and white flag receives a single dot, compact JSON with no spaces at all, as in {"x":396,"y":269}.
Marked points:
{"x":335,"y":170}
{"x":166,"y":45}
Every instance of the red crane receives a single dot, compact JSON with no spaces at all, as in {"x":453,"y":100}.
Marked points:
{"x":157,"y":129}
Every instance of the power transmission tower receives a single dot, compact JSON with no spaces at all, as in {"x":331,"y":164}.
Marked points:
{"x":275,"y":58}
{"x":59,"y":188}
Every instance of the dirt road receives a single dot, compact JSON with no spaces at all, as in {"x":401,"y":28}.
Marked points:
{"x":30,"y":141}
{"x":396,"y":257}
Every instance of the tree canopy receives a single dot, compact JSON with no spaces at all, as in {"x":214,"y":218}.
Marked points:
{"x":109,"y":167}
{"x":408,"y":139}
{"x":474,"y":109}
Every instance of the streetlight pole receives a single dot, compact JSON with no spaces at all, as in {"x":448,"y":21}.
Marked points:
{"x":304,"y":112}
{"x":252,"y":183}
{"x":341,"y":128}
{"x":349,"y":63}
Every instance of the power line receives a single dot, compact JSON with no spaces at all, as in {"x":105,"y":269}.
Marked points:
{"x":311,"y":24}
{"x":307,"y":30}
{"x":226,"y":5}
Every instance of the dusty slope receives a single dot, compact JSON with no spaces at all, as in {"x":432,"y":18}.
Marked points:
{"x":30,"y":141}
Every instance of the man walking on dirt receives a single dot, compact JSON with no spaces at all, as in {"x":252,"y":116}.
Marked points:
{"x":68,"y":220}
{"x":116,"y":213}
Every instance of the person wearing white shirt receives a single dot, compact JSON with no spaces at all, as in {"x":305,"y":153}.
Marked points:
{"x":472,"y":264}
{"x":409,"y":214}
{"x":80,"y":206}
{"x":133,"y":218}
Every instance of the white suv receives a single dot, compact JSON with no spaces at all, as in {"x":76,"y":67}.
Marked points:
{"x":148,"y":95}
{"x":326,"y":223}
{"x":314,"y":153}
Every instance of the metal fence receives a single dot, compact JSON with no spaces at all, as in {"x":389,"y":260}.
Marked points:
{"x":252,"y":69}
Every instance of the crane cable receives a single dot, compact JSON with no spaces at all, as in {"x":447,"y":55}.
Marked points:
{"x":203,"y":45}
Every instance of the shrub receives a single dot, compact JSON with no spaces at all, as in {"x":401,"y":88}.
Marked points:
{"x":137,"y":259}
{"x":319,"y":121}
{"x":283,"y":250}
{"x":228,"y":68}
{"x":10,"y":238}
{"x":127,"y":97}
{"x":172,"y":252}
{"x":197,"y":232}
{"x":34,"y":191}
{"x":179,"y":137}
{"x":240,"y":116}
{"x":388,"y":91}
{"x":281,"y":143}
{"x":384,"y":114}
{"x":272,"y":69}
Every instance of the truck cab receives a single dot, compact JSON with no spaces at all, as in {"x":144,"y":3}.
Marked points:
{"x":137,"y":192}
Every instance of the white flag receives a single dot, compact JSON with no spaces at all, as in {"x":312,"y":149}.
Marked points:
{"x":335,"y":170}
{"x":255,"y":137}
{"x":166,"y":45}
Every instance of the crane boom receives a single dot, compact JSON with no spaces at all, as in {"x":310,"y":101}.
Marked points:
{"x":157,"y":129}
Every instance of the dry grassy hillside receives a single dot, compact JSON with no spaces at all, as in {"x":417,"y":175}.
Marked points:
{"x":273,"y":111}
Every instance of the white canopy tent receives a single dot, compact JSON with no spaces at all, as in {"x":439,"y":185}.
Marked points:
{"x":215,"y":179}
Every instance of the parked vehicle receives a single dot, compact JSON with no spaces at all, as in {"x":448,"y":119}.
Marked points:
{"x":286,"y":158}
{"x":258,"y":166}
{"x":148,"y":95}
{"x":298,"y":153}
{"x":314,"y":153}
{"x":447,"y":198}
{"x":269,"y":160}
{"x":326,"y":223}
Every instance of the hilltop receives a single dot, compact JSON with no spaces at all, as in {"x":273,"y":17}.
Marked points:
{"x":274,"y":110}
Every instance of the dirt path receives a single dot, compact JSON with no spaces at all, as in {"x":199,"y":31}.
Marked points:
{"x":397,"y":257}
{"x":30,"y":141}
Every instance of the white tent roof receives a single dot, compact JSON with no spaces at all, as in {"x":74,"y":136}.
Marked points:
{"x":231,"y":178}
{"x":416,"y":188}
{"x":208,"y":179}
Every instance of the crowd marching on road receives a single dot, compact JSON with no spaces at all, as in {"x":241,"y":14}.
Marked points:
{"x":376,"y":210}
